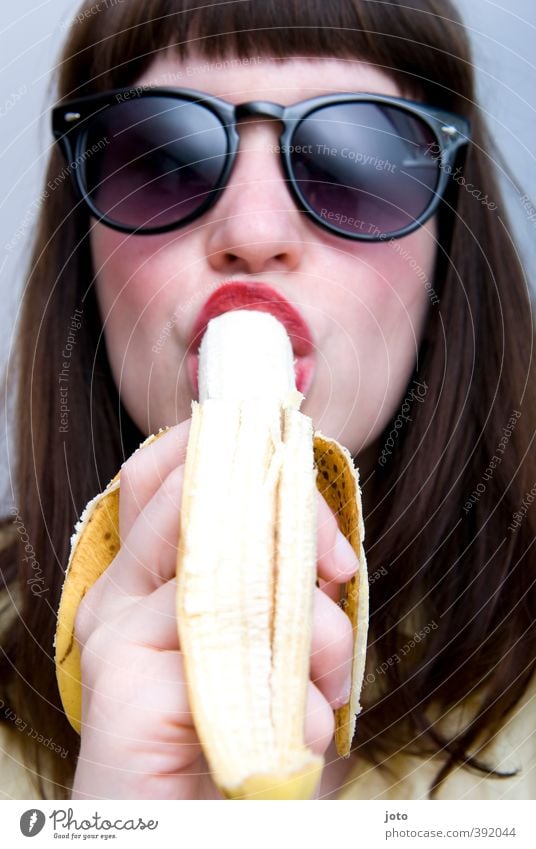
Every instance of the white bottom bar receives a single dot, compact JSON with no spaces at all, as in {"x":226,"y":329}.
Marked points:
{"x":271,"y":825}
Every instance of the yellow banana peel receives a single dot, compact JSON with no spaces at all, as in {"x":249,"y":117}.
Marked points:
{"x":246,"y":565}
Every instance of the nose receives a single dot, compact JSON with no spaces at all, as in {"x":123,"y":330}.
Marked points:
{"x":255,"y":226}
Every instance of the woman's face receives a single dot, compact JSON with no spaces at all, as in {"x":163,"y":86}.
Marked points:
{"x":364,"y":304}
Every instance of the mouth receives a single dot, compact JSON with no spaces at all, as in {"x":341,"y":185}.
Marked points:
{"x":238,"y":295}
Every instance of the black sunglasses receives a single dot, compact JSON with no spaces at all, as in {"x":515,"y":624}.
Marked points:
{"x":364,"y":166}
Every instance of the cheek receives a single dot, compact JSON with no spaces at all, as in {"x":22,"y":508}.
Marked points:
{"x":135,"y":294}
{"x":399,"y":301}
{"x":383,"y":302}
{"x":382,"y":320}
{"x":141,"y":285}
{"x":403,"y":277}
{"x":132,"y":292}
{"x":125,"y":278}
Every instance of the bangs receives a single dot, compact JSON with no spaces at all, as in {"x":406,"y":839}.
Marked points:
{"x":112,"y":43}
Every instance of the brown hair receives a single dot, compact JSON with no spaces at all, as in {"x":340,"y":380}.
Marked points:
{"x":447,"y":573}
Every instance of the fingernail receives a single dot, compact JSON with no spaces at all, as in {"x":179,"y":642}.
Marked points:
{"x":346,"y":560}
{"x":344,"y":695}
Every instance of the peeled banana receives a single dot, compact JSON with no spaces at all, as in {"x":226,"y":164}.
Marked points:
{"x":246,"y":564}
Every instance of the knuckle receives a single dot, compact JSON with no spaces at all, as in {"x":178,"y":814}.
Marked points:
{"x":95,"y":607}
{"x":132,"y":470}
{"x":326,"y":728}
{"x":171,"y":486}
{"x":84,"y":620}
{"x":333,"y":627}
{"x":320,"y":721}
{"x":326,"y":518}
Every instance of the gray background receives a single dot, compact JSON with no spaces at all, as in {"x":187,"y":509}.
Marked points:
{"x":31,"y":35}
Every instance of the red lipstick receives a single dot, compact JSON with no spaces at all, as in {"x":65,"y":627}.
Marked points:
{"x":240,"y":295}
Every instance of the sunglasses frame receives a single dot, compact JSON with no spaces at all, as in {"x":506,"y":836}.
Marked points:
{"x":71,"y":119}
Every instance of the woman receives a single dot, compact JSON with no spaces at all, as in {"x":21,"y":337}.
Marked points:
{"x":422,"y":333}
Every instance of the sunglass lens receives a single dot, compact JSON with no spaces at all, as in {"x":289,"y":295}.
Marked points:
{"x":365,"y":168}
{"x":155,"y":160}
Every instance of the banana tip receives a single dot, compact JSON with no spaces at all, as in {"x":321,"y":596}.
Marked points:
{"x":280,"y":785}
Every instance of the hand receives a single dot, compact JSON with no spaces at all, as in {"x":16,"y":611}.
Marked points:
{"x":138,"y":740}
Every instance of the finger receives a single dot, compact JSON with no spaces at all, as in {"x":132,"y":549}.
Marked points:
{"x":319,"y":721}
{"x":147,"y":624}
{"x":148,"y":556}
{"x":337,"y":561}
{"x":143,"y":697}
{"x":152,"y":621}
{"x":331,"y":589}
{"x":331,"y":650}
{"x":145,"y":471}
{"x":149,"y":621}
{"x":150,"y":548}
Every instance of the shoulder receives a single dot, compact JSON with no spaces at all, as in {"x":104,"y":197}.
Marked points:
{"x":19,"y":779}
{"x":513,"y":749}
{"x":10,"y":591}
{"x":16,"y":780}
{"x":8,"y":534}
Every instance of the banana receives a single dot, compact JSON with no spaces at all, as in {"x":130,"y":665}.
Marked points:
{"x":246,"y":564}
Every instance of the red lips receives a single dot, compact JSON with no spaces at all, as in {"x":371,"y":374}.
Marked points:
{"x":257,"y":296}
